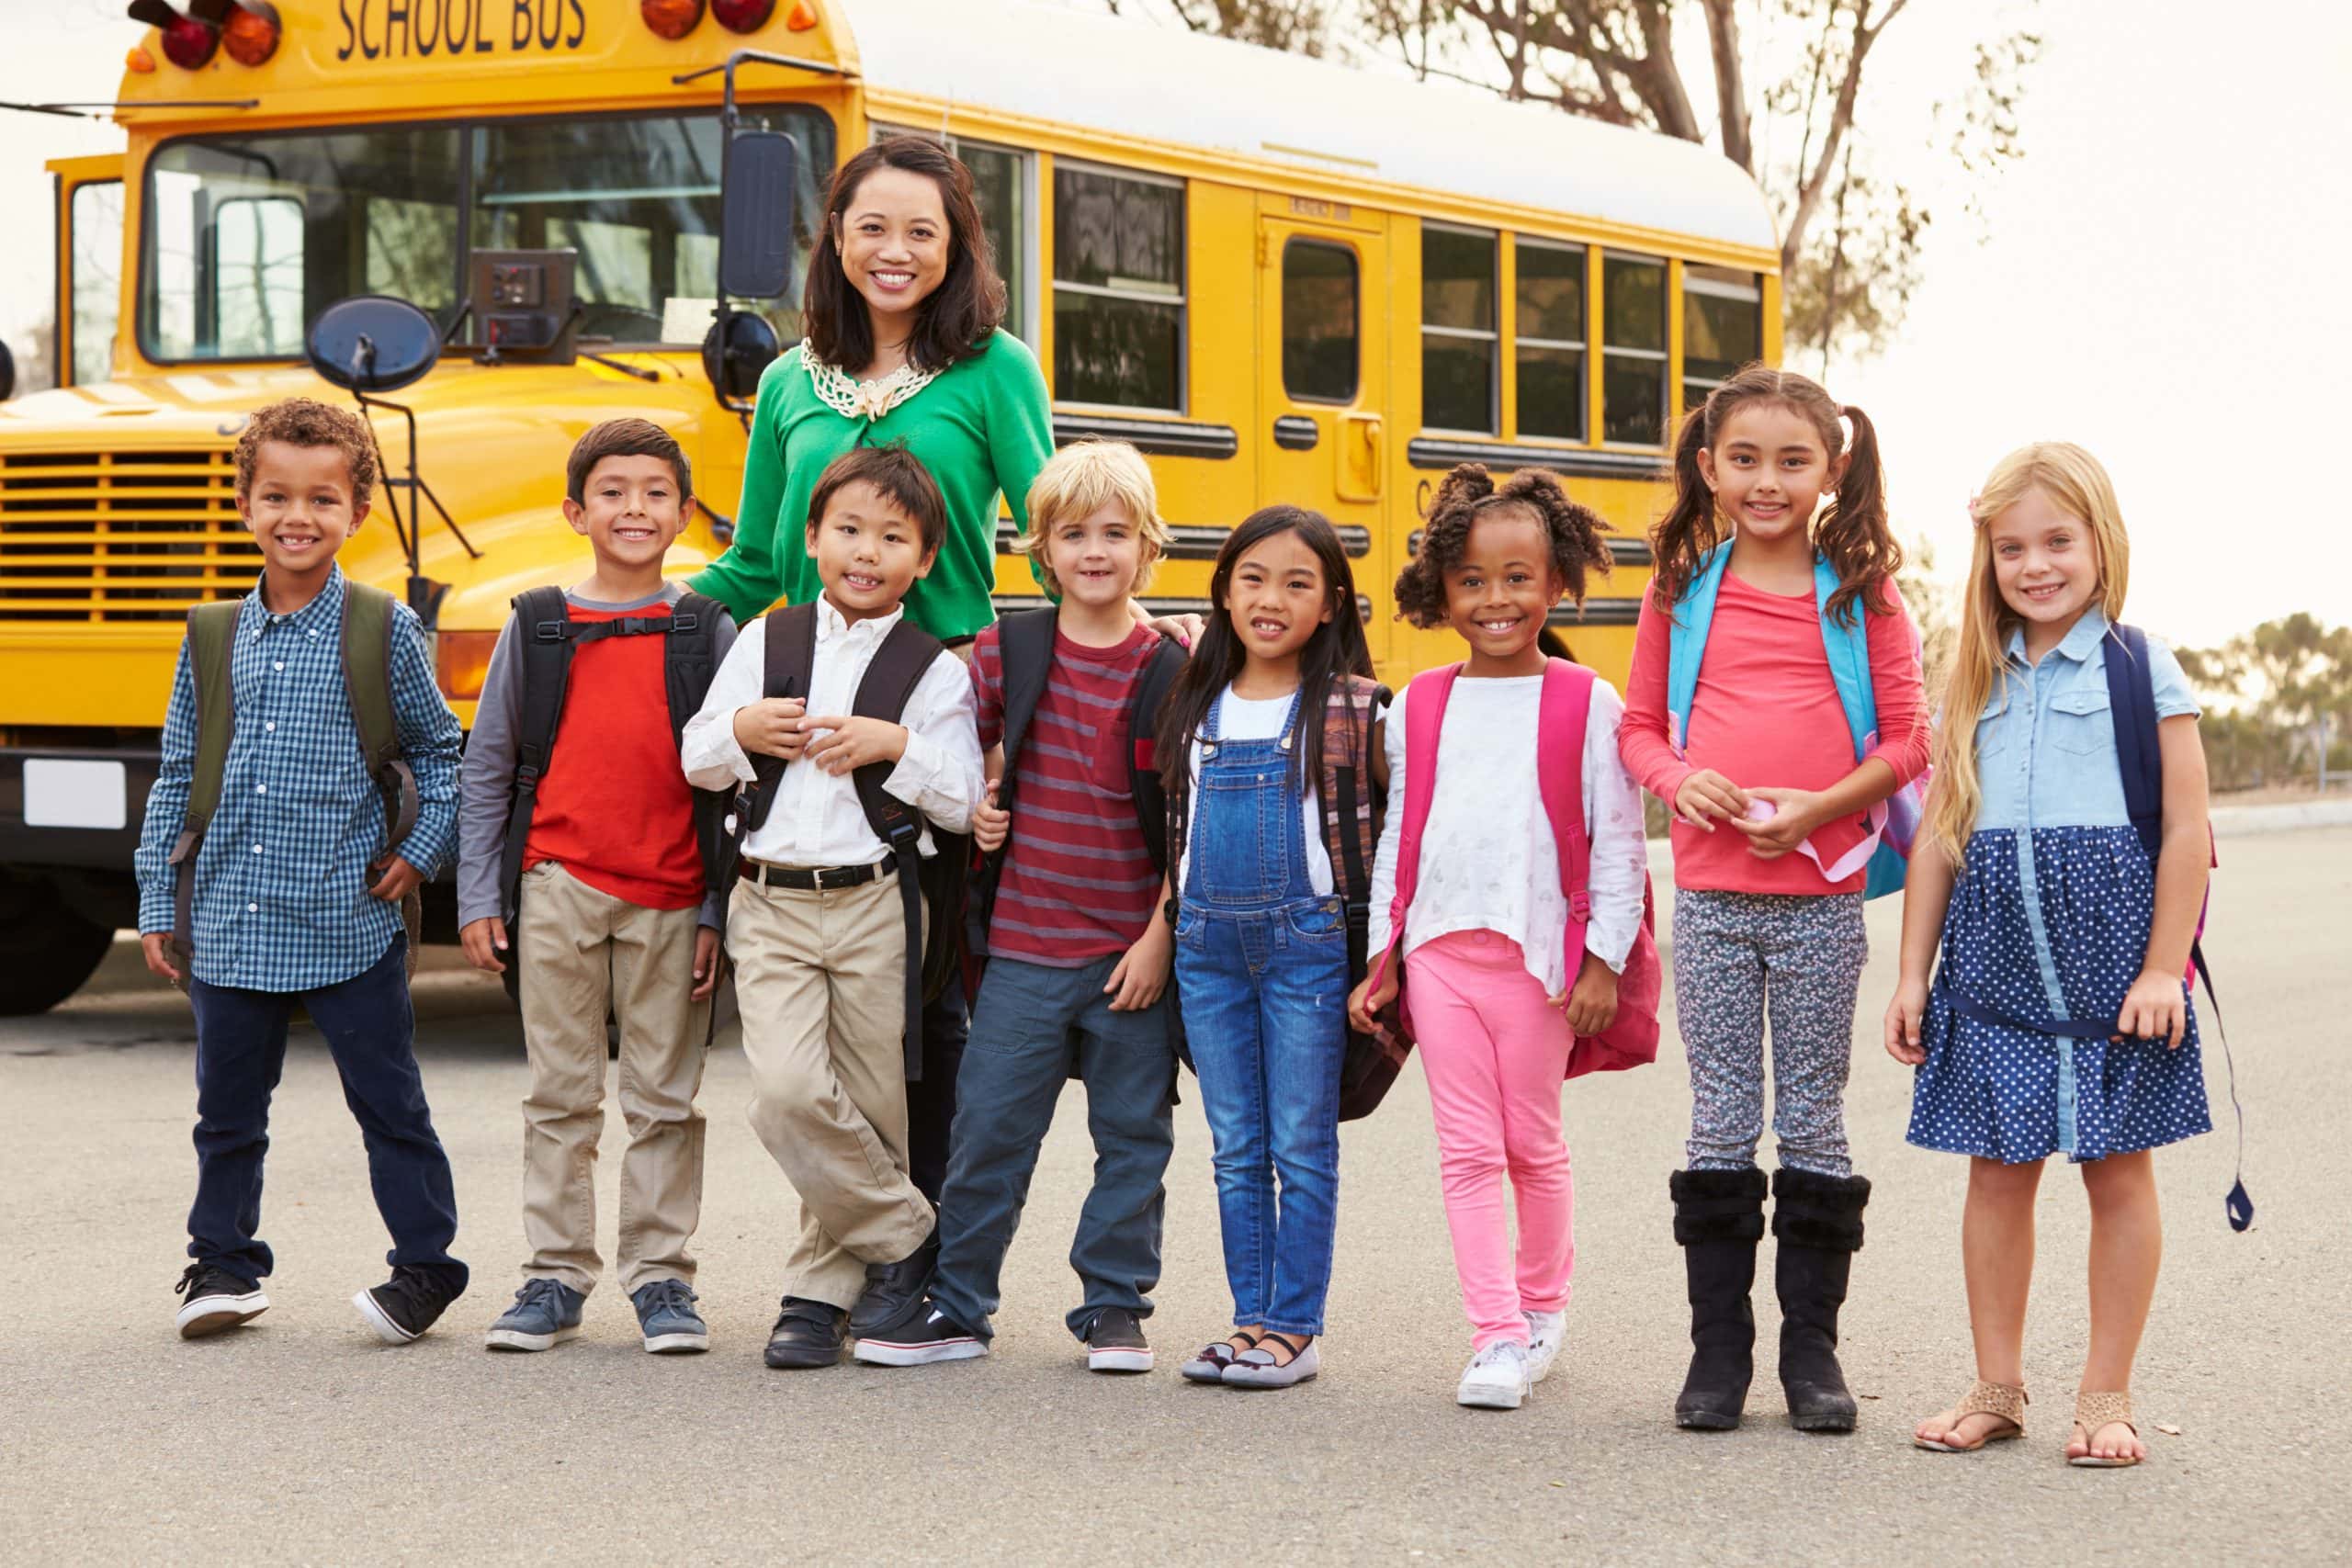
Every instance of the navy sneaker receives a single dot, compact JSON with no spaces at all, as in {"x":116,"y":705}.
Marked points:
{"x":401,"y":1308}
{"x":546,"y":1312}
{"x":920,"y":1337}
{"x":216,"y":1299}
{"x":666,"y":1316}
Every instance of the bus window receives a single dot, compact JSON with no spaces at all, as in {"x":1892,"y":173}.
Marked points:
{"x":256,"y":270}
{"x":1633,"y":349}
{"x":1459,"y":335}
{"x":97,"y":292}
{"x":1001,"y":186}
{"x":1320,"y":328}
{"x":1723,"y":327}
{"x":1550,"y":340}
{"x":1118,"y":288}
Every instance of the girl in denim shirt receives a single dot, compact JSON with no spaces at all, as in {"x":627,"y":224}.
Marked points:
{"x":2052,"y":914}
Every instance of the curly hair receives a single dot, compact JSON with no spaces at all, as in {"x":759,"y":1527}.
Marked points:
{"x":1468,"y":493}
{"x":306,"y":422}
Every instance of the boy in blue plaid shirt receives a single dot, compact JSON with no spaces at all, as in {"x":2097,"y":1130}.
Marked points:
{"x":297,"y":895}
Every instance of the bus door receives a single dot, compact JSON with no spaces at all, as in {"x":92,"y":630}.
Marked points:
{"x":1323,"y":378}
{"x":89,"y":266}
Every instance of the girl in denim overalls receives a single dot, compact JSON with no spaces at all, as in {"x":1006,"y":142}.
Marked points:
{"x":2050,"y":913}
{"x":1261,"y":941}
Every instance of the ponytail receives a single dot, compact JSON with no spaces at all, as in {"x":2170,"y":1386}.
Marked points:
{"x":1853,"y":534}
{"x":1688,"y":531}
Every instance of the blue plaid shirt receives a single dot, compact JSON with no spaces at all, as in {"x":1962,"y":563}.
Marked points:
{"x":281,"y":880}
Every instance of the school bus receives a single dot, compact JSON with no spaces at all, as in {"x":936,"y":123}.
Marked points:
{"x":1280,"y":279}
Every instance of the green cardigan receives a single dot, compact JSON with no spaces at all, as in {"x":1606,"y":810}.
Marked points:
{"x":983,"y":427}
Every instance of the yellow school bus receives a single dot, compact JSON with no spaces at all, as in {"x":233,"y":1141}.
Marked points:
{"x":1281,"y":279}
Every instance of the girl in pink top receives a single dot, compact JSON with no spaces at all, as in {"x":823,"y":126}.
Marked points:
{"x":1770,"y":836}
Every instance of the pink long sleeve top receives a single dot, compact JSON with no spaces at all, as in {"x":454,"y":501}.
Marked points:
{"x":1767,"y":713}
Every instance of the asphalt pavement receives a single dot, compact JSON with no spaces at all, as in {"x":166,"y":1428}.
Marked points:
{"x":303,"y":1440}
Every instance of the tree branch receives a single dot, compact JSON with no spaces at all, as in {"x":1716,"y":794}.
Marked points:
{"x":1731,"y":90}
{"x":1841,"y":119}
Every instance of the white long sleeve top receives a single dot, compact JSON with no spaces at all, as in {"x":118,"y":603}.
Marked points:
{"x":1488,"y":859}
{"x":815,"y":819}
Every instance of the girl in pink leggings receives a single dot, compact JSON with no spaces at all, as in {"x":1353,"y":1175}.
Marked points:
{"x":1494,"y":999}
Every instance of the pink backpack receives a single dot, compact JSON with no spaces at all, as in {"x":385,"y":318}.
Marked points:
{"x":1630,"y":1040}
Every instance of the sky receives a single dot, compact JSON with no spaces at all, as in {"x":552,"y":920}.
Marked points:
{"x":2160,"y":279}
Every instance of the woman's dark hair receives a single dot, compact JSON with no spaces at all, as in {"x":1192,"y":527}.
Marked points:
{"x":1337,"y":648}
{"x":956,"y":320}
{"x":1468,"y":493}
{"x":1852,"y":534}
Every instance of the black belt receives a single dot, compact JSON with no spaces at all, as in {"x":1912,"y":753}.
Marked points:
{"x":815,"y":879}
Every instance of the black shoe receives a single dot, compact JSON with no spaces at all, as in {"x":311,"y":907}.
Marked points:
{"x":1817,"y":1222}
{"x":216,"y":1299}
{"x":921,"y":1335}
{"x":405,"y":1305}
{"x":807,"y":1334}
{"x":892,"y":1289}
{"x":1114,"y":1343}
{"x":1718,"y":1218}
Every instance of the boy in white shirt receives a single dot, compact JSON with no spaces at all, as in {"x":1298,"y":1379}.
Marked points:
{"x":816,"y":927}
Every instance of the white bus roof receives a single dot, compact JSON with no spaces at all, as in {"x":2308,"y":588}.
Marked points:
{"x":1167,"y":84}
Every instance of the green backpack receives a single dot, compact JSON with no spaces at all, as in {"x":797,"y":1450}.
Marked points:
{"x":367,"y":647}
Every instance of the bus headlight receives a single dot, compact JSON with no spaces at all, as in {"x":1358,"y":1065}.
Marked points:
{"x":461,"y":663}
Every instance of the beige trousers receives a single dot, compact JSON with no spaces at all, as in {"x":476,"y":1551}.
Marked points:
{"x":583,"y":952}
{"x":821,"y":979}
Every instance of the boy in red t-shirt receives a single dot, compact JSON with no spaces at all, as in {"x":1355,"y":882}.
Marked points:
{"x":608,"y":897}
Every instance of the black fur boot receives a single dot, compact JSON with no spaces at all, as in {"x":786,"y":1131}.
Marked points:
{"x":1817,"y":1221}
{"x":1718,"y":1219}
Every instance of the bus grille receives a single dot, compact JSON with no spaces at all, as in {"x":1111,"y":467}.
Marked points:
{"x":119,"y":537}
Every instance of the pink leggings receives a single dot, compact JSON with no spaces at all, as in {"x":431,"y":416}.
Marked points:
{"x":1495,"y":1055}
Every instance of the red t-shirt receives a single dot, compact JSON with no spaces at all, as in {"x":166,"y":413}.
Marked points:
{"x":1077,"y":882}
{"x":614,"y":807}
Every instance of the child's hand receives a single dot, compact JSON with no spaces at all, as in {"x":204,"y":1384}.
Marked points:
{"x":1137,"y":979}
{"x":1379,"y":988}
{"x":1591,"y":1003}
{"x":2154,"y":1009}
{"x":397,"y":881}
{"x":851,"y":743}
{"x":1795,"y":814}
{"x":1185,"y":628}
{"x":1903,"y":1016}
{"x":771,"y":726}
{"x":155,"y":947}
{"x":1707,"y":794}
{"x":706,"y":963}
{"x":483,"y":940}
{"x":991,"y":824}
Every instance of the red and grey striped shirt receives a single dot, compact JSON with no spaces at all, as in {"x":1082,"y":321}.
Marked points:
{"x":1077,"y":881}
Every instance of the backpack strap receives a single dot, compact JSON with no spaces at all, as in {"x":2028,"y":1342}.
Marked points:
{"x":1351,"y":811}
{"x":367,"y":619}
{"x":211,"y":637}
{"x":899,"y":666}
{"x":1144,"y":782}
{"x":1692,"y":619}
{"x":1025,"y":654}
{"x":1566,"y":709}
{"x":543,"y":637}
{"x":789,"y":662}
{"x":1426,"y":700}
{"x":2131,"y":700}
{"x":689,"y":664}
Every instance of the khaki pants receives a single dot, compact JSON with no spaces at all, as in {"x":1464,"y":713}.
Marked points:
{"x":583,"y":952}
{"x":821,"y":978}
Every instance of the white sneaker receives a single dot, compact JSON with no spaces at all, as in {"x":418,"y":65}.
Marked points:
{"x":1544,"y":1332}
{"x":1496,"y":1378}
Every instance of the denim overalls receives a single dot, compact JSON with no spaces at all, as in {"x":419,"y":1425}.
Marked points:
{"x":1262,"y":970}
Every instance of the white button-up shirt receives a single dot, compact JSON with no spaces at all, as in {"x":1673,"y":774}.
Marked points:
{"x":815,"y":819}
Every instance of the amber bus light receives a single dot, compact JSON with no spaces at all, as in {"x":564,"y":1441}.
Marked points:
{"x":461,"y":663}
{"x":249,"y":29}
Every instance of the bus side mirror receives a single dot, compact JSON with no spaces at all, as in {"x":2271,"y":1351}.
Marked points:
{"x":734,"y":366}
{"x":755,"y":216}
{"x":372,"y":344}
{"x":8,"y":374}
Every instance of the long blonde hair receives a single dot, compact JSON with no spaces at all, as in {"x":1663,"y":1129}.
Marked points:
{"x":2076,"y":484}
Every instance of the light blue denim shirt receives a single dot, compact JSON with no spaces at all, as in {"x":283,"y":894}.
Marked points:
{"x":2045,"y":740}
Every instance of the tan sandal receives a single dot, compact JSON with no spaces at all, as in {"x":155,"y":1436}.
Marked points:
{"x":2093,"y":1411}
{"x":1995,"y":1399}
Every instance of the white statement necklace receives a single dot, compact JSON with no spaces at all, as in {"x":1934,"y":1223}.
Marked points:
{"x":853,"y":399}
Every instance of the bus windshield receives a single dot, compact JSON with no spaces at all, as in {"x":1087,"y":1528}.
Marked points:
{"x":248,"y":237}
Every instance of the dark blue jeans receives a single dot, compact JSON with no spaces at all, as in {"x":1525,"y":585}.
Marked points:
{"x":240,"y":1052}
{"x":1031,"y":1026}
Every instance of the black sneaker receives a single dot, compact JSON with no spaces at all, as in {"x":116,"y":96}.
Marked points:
{"x":892,"y":1288}
{"x":807,"y":1334}
{"x":405,"y":1305}
{"x":1114,"y":1343}
{"x":921,"y":1337}
{"x":216,"y":1299}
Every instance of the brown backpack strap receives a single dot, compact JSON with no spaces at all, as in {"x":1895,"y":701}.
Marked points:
{"x":369,"y":617}
{"x":211,"y":641}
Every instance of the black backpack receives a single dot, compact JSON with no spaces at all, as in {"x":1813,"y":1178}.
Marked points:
{"x":546,"y":634}
{"x":899,"y":666}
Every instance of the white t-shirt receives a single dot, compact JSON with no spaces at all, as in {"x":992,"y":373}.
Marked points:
{"x":1239,"y":718}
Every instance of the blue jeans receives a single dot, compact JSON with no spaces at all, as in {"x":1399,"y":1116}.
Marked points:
{"x":240,"y":1050}
{"x":1032,"y":1026}
{"x":1265,"y":1001}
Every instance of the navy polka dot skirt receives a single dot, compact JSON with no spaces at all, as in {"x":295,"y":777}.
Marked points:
{"x":2003,"y":1093}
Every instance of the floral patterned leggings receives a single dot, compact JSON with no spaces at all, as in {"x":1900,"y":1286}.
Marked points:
{"x":1739,"y":957}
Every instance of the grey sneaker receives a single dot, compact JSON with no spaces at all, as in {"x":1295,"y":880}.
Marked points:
{"x":546,"y":1312}
{"x":666,"y":1316}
